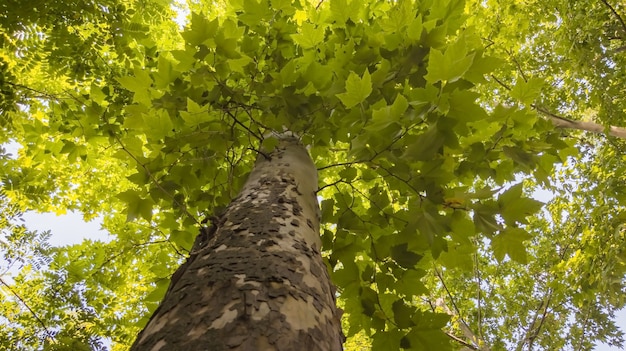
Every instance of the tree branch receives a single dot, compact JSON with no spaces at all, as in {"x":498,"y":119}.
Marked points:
{"x":566,"y":123}
{"x":534,"y":328}
{"x":619,"y":18}
{"x":155,"y":181}
{"x":562,"y":122}
{"x":475,"y":340}
{"x":48,"y":332}
{"x":461,"y":341}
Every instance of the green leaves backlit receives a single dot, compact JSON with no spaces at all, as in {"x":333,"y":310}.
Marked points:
{"x":450,"y":65}
{"x":357,"y":89}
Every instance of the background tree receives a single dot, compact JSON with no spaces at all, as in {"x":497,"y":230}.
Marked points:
{"x":422,"y":118}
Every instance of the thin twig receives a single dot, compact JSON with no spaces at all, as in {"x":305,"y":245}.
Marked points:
{"x":155,"y":181}
{"x":479,"y":297}
{"x":229,"y":113}
{"x":464,"y":326}
{"x":619,"y":18}
{"x":351,"y":163}
{"x":48,"y":332}
{"x":461,"y":341}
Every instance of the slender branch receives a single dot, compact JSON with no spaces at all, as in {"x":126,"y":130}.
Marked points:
{"x":14,"y":293}
{"x":619,"y":18}
{"x":464,"y":326}
{"x":328,"y":185}
{"x":406,"y":182}
{"x":519,"y":67}
{"x":461,"y":341}
{"x":265,"y":155}
{"x":542,"y":320}
{"x":229,"y":113}
{"x":350,"y":163}
{"x":42,"y":94}
{"x":155,"y":181}
{"x":504,"y":85}
{"x":376,"y":153}
{"x":479,"y":297}
{"x":533,"y":329}
{"x":583,"y":331}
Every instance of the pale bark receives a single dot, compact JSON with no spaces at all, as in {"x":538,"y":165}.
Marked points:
{"x":256,"y":281}
{"x":566,"y":123}
{"x":562,"y":122}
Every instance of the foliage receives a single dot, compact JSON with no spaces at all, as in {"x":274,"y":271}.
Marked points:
{"x":422,"y":119}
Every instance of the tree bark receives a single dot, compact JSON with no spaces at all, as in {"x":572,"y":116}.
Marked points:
{"x":256,"y":281}
{"x":562,"y":122}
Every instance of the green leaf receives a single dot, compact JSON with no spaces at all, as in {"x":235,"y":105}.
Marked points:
{"x":357,"y":89}
{"x":481,"y":66}
{"x":404,"y":257}
{"x":159,"y":123}
{"x":485,"y":221}
{"x":347,"y":174}
{"x":157,"y":294}
{"x":288,"y":73}
{"x":410,"y":284}
{"x":328,"y":207}
{"x":459,"y":256}
{"x":527,"y":92}
{"x":415,"y":28}
{"x":387,"y":339}
{"x":309,"y":35}
{"x":383,"y":117}
{"x":514,"y":207}
{"x":136,"y":205}
{"x":369,"y":300}
{"x":426,"y":334}
{"x":402,"y":314}
{"x":140,"y":82}
{"x":165,"y":73}
{"x":200,"y":31}
{"x":255,"y":12}
{"x":401,"y":14}
{"x":183,"y":238}
{"x":464,"y":108}
{"x":449,"y":66}
{"x":425,"y":146}
{"x":343,"y":10}
{"x":510,"y":242}
{"x":97,"y":94}
{"x":269,"y":144}
{"x":195,"y":113}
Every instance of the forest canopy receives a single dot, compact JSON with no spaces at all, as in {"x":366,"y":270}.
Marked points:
{"x":470,"y":157}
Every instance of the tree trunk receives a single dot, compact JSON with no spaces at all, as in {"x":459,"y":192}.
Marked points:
{"x":256,"y":280}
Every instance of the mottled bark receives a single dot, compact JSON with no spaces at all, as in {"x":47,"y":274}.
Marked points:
{"x":257,"y":280}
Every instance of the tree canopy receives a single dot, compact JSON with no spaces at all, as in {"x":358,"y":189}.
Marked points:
{"x":433,"y":125}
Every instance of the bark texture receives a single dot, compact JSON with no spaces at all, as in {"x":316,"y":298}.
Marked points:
{"x":256,"y":280}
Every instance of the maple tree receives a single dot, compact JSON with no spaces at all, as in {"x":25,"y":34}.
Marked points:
{"x":431,"y":123}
